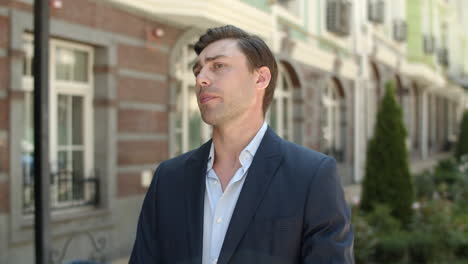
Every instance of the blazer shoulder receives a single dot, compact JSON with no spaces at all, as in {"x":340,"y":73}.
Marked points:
{"x":174,"y":165}
{"x":178,"y":160}
{"x":300,"y":154}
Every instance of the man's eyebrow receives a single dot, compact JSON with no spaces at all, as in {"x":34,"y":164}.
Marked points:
{"x":196,"y":63}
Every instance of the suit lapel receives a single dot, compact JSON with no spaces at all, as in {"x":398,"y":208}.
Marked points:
{"x":266,"y":161}
{"x":195,"y":194}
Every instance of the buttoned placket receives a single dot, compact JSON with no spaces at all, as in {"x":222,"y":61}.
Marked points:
{"x":218,"y":207}
{"x":218,"y":200}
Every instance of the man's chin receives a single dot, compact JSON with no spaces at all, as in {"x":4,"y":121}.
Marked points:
{"x":212,"y":119}
{"x":208,"y":119}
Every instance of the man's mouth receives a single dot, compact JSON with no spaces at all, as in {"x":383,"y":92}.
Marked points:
{"x":205,"y":98}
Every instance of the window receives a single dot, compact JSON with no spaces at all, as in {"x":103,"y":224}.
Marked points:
{"x":338,"y":17}
{"x":292,"y":6}
{"x":332,"y":122}
{"x":189,"y":129}
{"x":280,"y":114}
{"x":376,"y":11}
{"x":70,"y":115}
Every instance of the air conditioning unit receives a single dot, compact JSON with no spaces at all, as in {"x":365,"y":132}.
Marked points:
{"x":443,"y":57}
{"x":284,"y":3}
{"x":400,"y":29}
{"x":339,"y":17}
{"x":376,"y":11}
{"x":429,"y":44}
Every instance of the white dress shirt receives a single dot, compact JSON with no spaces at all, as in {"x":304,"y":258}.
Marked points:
{"x":219,"y":206}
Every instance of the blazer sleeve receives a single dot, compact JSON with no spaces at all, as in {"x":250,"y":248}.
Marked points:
{"x":145,"y":248}
{"x":328,"y":236}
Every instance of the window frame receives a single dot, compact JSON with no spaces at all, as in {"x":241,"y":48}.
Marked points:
{"x":333,"y":102}
{"x":85,"y":90}
{"x":185,"y":82}
{"x":287,"y":12}
{"x":281,"y":93}
{"x":342,"y":41}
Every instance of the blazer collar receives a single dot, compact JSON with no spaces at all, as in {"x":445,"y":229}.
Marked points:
{"x":264,"y":165}
{"x":195,"y":193}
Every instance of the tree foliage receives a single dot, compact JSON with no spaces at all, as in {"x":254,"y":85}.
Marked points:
{"x":387,"y":178}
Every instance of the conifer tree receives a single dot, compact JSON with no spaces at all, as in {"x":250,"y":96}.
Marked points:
{"x":462,"y":143}
{"x":387,"y":177}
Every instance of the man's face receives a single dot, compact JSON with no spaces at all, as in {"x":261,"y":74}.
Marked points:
{"x":225,"y":87}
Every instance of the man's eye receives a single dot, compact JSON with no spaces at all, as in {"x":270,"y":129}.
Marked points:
{"x":218,"y":66}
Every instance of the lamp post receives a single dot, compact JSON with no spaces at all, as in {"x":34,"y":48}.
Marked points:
{"x":41,"y":133}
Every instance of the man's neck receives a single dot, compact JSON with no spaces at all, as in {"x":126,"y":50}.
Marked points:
{"x":231,"y":139}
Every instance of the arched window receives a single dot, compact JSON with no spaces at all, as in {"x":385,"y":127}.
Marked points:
{"x":188,"y":129}
{"x":404,"y":98}
{"x":280,"y":115}
{"x":416,"y":117}
{"x":333,"y":121}
{"x":373,"y":94}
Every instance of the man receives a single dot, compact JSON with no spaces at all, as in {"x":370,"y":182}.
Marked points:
{"x":246,"y":196}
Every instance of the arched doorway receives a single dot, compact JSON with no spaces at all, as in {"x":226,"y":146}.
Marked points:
{"x":403,"y":96}
{"x":187,"y":129}
{"x":373,"y":95}
{"x":415,"y":133}
{"x":333,"y":121}
{"x":285,"y":112}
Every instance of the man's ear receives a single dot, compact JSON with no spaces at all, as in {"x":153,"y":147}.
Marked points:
{"x":264,"y":77}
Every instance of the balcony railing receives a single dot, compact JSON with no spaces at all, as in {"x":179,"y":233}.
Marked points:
{"x":376,"y":11}
{"x":443,"y":57}
{"x":399,"y":30}
{"x":338,"y":154}
{"x":68,"y":189}
{"x":429,"y":44}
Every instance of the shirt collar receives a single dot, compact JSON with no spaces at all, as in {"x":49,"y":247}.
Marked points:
{"x":247,"y":154}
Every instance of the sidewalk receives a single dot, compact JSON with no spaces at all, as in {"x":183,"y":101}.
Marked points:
{"x":419,"y":166}
{"x":416,"y":166}
{"x":120,"y":261}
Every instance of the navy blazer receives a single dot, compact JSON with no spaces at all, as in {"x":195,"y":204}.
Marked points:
{"x":291,"y":210}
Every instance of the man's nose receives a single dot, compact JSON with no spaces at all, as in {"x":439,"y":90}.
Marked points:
{"x":203,"y":78}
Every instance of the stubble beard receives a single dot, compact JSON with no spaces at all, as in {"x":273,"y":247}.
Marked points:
{"x":221,"y":114}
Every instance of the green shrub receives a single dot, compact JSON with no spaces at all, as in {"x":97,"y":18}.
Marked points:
{"x":433,"y":238}
{"x":390,"y":242}
{"x":460,"y":192}
{"x":424,"y":186}
{"x":461,"y":245}
{"x":387,"y":177}
{"x":365,"y":238}
{"x":447,"y":172}
{"x":460,"y":234}
{"x":391,"y":248}
{"x":382,"y":221}
{"x":439,"y":224}
{"x":422,"y":247}
{"x":462,"y":143}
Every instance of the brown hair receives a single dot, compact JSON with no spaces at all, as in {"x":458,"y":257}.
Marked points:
{"x":254,"y":48}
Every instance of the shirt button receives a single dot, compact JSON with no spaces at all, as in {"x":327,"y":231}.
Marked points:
{"x":219,"y":220}
{"x":214,"y":182}
{"x":215,"y":261}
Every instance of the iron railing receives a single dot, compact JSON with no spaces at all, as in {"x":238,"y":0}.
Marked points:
{"x":68,"y":189}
